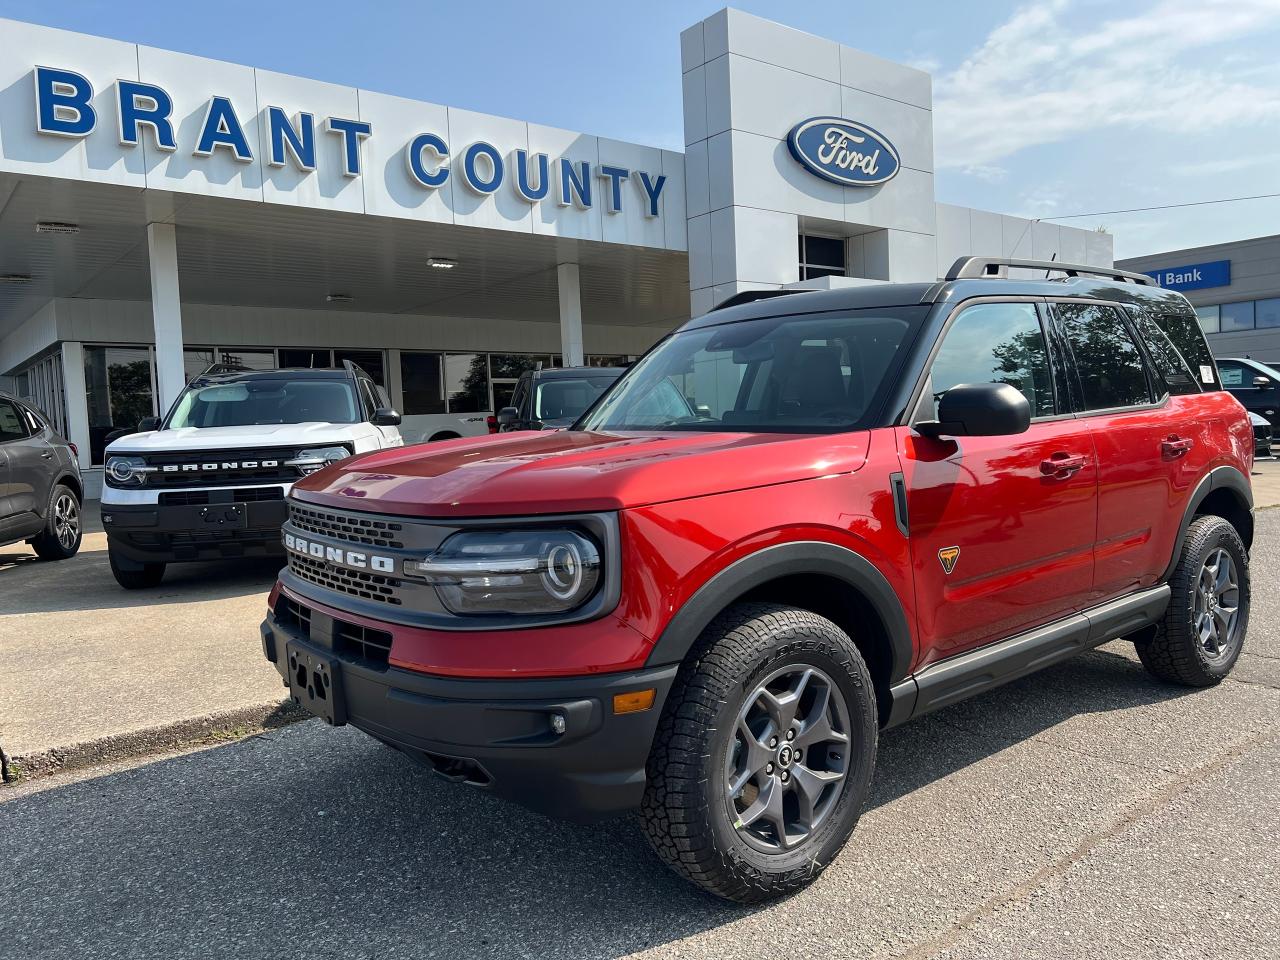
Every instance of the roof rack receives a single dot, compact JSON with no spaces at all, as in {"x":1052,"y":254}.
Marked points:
{"x":751,"y":296}
{"x":217,"y":369}
{"x":975,"y":268}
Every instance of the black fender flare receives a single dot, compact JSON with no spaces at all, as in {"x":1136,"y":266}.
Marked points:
{"x":1219,"y":478}
{"x":812,"y":557}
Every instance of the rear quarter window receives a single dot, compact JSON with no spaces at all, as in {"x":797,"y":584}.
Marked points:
{"x":1179,"y":374}
{"x":1182,"y":329}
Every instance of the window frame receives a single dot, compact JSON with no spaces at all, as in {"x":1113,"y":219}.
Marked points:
{"x":19,"y":411}
{"x":1155,"y":382}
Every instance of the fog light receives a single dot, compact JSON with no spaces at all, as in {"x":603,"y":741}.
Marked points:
{"x":558,"y":723}
{"x":634,"y":702}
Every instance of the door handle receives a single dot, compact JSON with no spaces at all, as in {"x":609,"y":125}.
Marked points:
{"x":1063,"y":465}
{"x":1175,"y":447}
{"x":47,"y":455}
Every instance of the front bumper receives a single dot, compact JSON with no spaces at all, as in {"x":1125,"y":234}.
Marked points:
{"x":495,"y":734}
{"x":163,"y":533}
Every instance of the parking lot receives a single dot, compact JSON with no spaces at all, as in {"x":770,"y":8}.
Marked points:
{"x":1084,"y":812}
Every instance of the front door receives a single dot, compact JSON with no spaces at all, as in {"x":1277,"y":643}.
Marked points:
{"x":29,"y":459}
{"x":1001,"y":528}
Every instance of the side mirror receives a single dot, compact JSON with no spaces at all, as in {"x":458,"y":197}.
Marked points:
{"x":1261,"y":381}
{"x":507,"y":418}
{"x":979,"y":410}
{"x":147,"y":424}
{"x":385,"y":417}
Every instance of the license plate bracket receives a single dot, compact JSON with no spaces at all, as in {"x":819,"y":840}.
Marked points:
{"x":315,"y":683}
{"x":226,"y":516}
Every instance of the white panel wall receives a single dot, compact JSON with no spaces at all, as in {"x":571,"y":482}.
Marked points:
{"x":963,"y":232}
{"x":35,"y":334}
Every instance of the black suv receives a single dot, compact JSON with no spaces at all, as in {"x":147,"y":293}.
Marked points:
{"x":1254,"y":384}
{"x":554,"y":398}
{"x":40,"y":489}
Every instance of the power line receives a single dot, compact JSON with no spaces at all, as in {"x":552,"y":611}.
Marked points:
{"x":1166,"y":206}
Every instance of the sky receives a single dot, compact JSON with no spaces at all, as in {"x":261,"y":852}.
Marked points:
{"x":1041,"y":109}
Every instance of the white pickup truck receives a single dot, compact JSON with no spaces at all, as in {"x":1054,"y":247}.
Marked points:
{"x":209,"y":481}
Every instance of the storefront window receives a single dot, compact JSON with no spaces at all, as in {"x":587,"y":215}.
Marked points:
{"x":1209,"y":319}
{"x":420,"y":383}
{"x":253,"y":359}
{"x":509,"y":366}
{"x":305,"y":359}
{"x":466,"y":377}
{"x":196,"y":360}
{"x":370,"y":361}
{"x":1268,"y":312}
{"x":821,"y":257}
{"x":602,"y":360}
{"x":118,"y":387}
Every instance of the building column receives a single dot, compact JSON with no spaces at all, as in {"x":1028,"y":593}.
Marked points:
{"x":166,"y":312}
{"x":570,"y":315}
{"x":75,"y":395}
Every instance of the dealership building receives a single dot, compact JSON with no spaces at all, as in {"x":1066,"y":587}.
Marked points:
{"x":160,"y":212}
{"x":1235,"y":288}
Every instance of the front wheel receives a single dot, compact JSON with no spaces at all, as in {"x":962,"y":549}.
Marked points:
{"x":764,"y":753}
{"x":60,"y":538}
{"x":135,"y":576}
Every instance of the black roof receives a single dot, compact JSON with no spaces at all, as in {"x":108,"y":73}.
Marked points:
{"x":575,"y":373}
{"x":225,"y":375}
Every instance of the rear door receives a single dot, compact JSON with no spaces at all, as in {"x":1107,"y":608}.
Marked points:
{"x":1001,"y":528}
{"x":30,"y":461}
{"x":1151,"y":445}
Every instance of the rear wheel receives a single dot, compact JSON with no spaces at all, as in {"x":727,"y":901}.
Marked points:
{"x":135,"y":576}
{"x":764,"y":753}
{"x":62,"y":533}
{"x":1203,"y":630}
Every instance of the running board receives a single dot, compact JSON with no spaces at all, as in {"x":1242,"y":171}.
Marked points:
{"x":994,"y":665}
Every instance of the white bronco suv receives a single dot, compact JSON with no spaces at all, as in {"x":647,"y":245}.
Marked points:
{"x":209,"y":482}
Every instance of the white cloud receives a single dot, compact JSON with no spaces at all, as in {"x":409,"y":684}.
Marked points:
{"x":1043,"y":77}
{"x":987,"y":172}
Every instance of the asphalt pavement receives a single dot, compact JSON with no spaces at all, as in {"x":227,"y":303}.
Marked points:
{"x":1088,"y":811}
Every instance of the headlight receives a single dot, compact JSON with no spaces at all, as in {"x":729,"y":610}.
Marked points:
{"x":317,"y":458}
{"x":512,"y":571}
{"x":128,"y":471}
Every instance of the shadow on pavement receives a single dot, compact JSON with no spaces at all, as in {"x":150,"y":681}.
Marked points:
{"x":311,"y":841}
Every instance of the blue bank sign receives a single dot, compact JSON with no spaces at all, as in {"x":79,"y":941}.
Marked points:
{"x":843,"y":151}
{"x":1193,"y":276}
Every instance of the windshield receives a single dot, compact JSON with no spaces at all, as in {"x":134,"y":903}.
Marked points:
{"x":566,"y":399}
{"x":818,"y":373}
{"x":250,"y":402}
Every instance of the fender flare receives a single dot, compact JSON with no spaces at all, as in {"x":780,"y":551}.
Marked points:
{"x":810,"y":557}
{"x":1219,"y":478}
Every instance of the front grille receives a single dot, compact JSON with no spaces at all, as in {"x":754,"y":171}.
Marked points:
{"x":347,"y":526}
{"x":195,"y":498}
{"x":351,"y":639}
{"x":354,"y":583}
{"x":218,"y":476}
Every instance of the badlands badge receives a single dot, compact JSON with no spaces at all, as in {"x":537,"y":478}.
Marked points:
{"x":948,"y":556}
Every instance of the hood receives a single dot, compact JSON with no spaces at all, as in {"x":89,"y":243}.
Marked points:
{"x":231,"y":438}
{"x":532,"y":473}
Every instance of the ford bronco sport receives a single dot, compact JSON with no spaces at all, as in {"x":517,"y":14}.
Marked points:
{"x":799,"y":520}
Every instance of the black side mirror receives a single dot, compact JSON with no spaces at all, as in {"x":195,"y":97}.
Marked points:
{"x":147,"y":424}
{"x":979,"y":410}
{"x":385,"y":417}
{"x":1261,"y":381}
{"x":507,"y":418}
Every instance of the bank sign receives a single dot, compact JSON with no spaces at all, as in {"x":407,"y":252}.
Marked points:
{"x":1194,"y":276}
{"x":843,"y":151}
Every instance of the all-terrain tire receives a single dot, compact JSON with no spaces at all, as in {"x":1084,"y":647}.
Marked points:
{"x":135,"y":577}
{"x":1176,"y":652}
{"x":62,"y":533}
{"x":687,"y":811}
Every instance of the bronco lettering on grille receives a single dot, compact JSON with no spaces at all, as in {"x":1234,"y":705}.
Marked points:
{"x":221,"y":465}
{"x":345,"y":558}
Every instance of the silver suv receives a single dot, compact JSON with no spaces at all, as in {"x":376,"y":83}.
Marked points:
{"x":40,"y":488}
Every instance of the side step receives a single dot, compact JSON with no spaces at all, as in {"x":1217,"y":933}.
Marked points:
{"x":950,"y":681}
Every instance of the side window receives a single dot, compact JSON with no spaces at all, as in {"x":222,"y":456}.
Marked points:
{"x":1111,"y":369}
{"x":1174,"y":368}
{"x":366,"y":399}
{"x":1232,"y":374}
{"x":12,"y":424}
{"x":522,"y":394}
{"x":1185,"y":333}
{"x":996,"y":343}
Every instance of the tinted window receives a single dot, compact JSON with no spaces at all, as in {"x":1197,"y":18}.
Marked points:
{"x":1237,"y":316}
{"x":466,"y":377}
{"x":1268,"y":312}
{"x":1209,"y":318}
{"x":996,"y":343}
{"x":1176,"y":372}
{"x":805,"y":374}
{"x":1111,"y":370}
{"x":1184,"y":332}
{"x":305,"y":359}
{"x":370,"y":361}
{"x":421,"y":384}
{"x":12,"y":424}
{"x":560,"y":399}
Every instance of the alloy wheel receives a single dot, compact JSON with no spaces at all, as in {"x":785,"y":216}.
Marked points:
{"x":1217,"y":606}
{"x":787,"y":764}
{"x":66,"y":520}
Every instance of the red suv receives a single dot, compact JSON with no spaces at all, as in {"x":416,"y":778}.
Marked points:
{"x":798,"y":521}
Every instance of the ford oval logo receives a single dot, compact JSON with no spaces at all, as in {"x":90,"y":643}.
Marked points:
{"x":843,"y":151}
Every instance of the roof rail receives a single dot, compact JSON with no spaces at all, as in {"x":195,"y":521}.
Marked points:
{"x":974,"y":268}
{"x":751,"y":296}
{"x":217,"y":369}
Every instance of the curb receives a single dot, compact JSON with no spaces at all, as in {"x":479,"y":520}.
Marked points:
{"x":211,"y":728}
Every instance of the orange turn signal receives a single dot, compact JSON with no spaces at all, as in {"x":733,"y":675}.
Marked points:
{"x":634,"y":702}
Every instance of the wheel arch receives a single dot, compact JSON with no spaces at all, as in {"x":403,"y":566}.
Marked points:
{"x":444,"y":435}
{"x":826,"y":579}
{"x":1222,"y":492}
{"x":70,"y":481}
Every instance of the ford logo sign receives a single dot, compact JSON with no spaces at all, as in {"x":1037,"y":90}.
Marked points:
{"x":843,"y":151}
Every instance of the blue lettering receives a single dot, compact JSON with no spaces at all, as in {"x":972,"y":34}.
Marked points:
{"x":652,"y":191}
{"x":472,"y":177}
{"x":144,"y":105}
{"x":62,"y":103}
{"x":615,"y":176}
{"x":299,"y":140}
{"x":352,"y":131}
{"x":418,"y":170}
{"x":523,"y":186}
{"x":221,"y":128}
{"x":575,"y":188}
